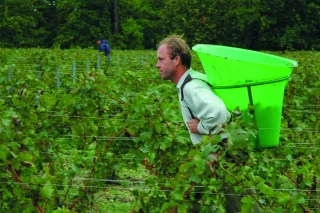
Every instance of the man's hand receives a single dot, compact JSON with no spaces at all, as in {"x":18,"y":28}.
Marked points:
{"x":193,"y":125}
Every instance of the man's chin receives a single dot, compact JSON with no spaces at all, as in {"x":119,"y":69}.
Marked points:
{"x":165,"y":77}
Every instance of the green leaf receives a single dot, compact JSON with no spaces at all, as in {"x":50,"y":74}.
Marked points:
{"x":44,"y":134}
{"x":178,"y":195}
{"x":3,"y":156}
{"x":13,"y":154}
{"x":194,"y":178}
{"x":47,"y":100}
{"x":3,"y":153}
{"x":158,"y":128}
{"x":284,"y":198}
{"x":145,"y":136}
{"x":30,"y":77}
{"x":26,"y":156}
{"x":313,"y":118}
{"x":184,"y":167}
{"x":182,"y":209}
{"x":238,"y":188}
{"x":247,"y":204}
{"x":46,"y":191}
{"x":7,"y":195}
{"x":61,"y":210}
{"x":167,"y":142}
{"x":300,"y":200}
{"x":207,"y":150}
{"x":267,"y":190}
{"x":6,"y":121}
{"x":165,"y":206}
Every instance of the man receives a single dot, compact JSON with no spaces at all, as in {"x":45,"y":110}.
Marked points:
{"x":104,"y":46}
{"x":203,"y":112}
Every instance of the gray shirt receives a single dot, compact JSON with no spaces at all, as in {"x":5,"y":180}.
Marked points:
{"x":203,"y":104}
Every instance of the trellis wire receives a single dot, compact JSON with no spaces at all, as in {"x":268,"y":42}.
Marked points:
{"x":147,"y":188}
{"x":99,"y":118}
{"x":81,"y":70}
{"x":143,"y":59}
{"x":130,"y":139}
{"x":140,"y":159}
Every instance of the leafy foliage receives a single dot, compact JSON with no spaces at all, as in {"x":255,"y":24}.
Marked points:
{"x":69,"y":148}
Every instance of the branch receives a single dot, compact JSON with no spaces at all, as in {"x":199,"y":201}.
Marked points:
{"x":120,"y":101}
{"x":65,"y":196}
{"x":25,"y":188}
{"x":6,"y":171}
{"x":93,"y":169}
{"x":185,"y":194}
{"x":244,"y":186}
{"x":17,"y":178}
{"x":298,"y":186}
{"x":211,"y":168}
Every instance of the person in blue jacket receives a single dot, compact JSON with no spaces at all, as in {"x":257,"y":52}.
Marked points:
{"x":104,"y":46}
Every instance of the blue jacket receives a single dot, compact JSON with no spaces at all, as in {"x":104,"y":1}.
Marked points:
{"x":105,"y":47}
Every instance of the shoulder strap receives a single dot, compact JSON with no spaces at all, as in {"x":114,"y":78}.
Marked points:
{"x":187,"y":80}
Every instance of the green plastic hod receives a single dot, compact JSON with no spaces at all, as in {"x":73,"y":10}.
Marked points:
{"x":241,"y":77}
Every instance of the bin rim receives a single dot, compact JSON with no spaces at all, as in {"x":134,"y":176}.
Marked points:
{"x":249,"y":84}
{"x":292,"y":62}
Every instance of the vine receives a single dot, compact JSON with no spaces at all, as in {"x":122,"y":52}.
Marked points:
{"x":56,"y":143}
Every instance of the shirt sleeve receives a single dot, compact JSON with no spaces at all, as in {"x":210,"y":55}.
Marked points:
{"x":205,"y":106}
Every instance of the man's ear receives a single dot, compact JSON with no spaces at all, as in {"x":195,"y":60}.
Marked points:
{"x":177,"y":60}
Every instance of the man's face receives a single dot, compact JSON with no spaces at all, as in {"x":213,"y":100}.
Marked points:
{"x":99,"y":42}
{"x":165,"y":65}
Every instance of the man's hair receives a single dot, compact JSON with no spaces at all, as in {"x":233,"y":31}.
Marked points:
{"x":177,"y":47}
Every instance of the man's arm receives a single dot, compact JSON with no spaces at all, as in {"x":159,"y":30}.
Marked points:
{"x":207,"y":107}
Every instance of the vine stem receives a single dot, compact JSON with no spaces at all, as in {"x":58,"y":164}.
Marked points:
{"x":184,"y":194}
{"x":93,"y":168}
{"x":168,"y":126}
{"x":298,"y":185}
{"x":68,"y":190}
{"x":84,"y":135}
{"x":25,"y":188}
{"x":211,"y":169}
{"x":257,"y":201}
{"x":5,"y":171}
{"x":120,"y":101}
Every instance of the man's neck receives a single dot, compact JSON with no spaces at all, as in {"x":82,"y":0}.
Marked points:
{"x":179,"y":74}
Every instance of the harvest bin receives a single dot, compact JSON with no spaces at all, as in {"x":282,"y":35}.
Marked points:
{"x":241,"y":76}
